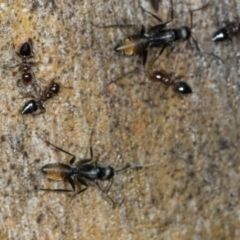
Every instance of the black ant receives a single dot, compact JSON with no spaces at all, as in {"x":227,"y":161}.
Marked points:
{"x":33,"y":105}
{"x":25,"y":52}
{"x":157,"y":36}
{"x":226,"y":32}
{"x":82,"y":172}
{"x":162,"y":76}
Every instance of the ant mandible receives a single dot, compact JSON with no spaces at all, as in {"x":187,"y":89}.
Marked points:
{"x":33,"y":105}
{"x":82,"y":172}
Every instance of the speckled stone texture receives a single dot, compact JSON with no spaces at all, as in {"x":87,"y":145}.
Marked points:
{"x":193,"y":193}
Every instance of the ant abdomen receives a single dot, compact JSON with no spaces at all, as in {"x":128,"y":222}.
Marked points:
{"x":227,"y":32}
{"x":134,"y":45}
{"x":183,"y":88}
{"x":33,"y":105}
{"x":57,"y":171}
{"x":26,"y":78}
{"x":30,"y":107}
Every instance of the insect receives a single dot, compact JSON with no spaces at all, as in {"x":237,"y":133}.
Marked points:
{"x":157,"y":36}
{"x":25,"y":52}
{"x":33,"y":105}
{"x":83,"y":172}
{"x":225,"y":33}
{"x":162,"y":76}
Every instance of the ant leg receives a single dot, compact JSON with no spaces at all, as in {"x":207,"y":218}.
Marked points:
{"x":195,"y":10}
{"x":42,"y":109}
{"x":9,"y":67}
{"x":154,"y":16}
{"x":106,"y":192}
{"x":87,"y":160}
{"x":229,"y":40}
{"x":19,"y":83}
{"x":63,"y":86}
{"x":126,"y":74}
{"x":145,"y":54}
{"x":124,"y":168}
{"x":116,"y":25}
{"x":70,"y":180}
{"x":113,"y":203}
{"x":214,"y":55}
{"x":160,"y":53}
{"x":160,"y":27}
{"x":143,"y":30}
{"x":172,"y":12}
{"x":26,"y":95}
{"x":17,"y":53}
{"x":211,"y":54}
{"x":72,"y":160}
{"x":79,"y":192}
{"x":196,"y":44}
{"x":54,"y":190}
{"x":109,"y":187}
{"x":81,"y":181}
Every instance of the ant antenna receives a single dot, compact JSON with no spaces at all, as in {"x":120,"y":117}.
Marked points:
{"x":154,"y":16}
{"x":145,"y":165}
{"x":126,"y":74}
{"x":122,"y":169}
{"x":115,"y":25}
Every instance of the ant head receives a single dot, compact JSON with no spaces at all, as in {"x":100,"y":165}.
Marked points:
{"x":220,"y":35}
{"x":30,"y":107}
{"x":107,"y":173}
{"x":183,"y":88}
{"x":25,"y":50}
{"x":184,"y":33}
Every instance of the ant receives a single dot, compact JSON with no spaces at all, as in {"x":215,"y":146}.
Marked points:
{"x":25,"y":52}
{"x":33,"y":105}
{"x":83,"y":172}
{"x":226,"y":32}
{"x":157,"y":36}
{"x":162,"y":76}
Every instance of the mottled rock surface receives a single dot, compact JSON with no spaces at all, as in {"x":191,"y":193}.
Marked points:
{"x":193,"y":193}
